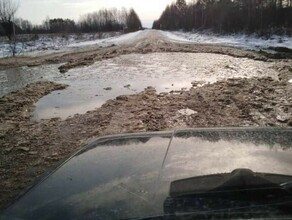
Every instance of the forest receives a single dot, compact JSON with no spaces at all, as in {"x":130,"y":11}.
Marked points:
{"x":263,"y":17}
{"x":104,"y":20}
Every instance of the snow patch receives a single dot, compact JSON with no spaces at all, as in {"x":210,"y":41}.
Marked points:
{"x":46,"y":44}
{"x":123,"y":39}
{"x":236,"y":40}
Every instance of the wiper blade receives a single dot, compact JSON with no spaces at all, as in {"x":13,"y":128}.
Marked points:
{"x":239,"y":190}
{"x":248,"y":212}
{"x":287,"y":186}
{"x":237,"y":180}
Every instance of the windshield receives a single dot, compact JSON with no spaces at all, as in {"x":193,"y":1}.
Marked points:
{"x":180,"y":174}
{"x":145,"y":109}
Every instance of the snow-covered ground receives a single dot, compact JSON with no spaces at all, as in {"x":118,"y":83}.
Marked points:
{"x":118,"y":40}
{"x":49,"y":44}
{"x":236,"y":40}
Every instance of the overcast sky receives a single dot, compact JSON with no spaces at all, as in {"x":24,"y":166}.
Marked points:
{"x":37,"y":10}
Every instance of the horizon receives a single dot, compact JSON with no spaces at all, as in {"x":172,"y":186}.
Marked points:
{"x":148,"y":11}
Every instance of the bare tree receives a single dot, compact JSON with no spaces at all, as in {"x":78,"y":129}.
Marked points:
{"x":8,"y":9}
{"x":104,"y":20}
{"x":133,"y":21}
{"x":263,"y":17}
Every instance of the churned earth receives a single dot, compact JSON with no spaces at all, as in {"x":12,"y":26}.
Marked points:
{"x":147,"y":41}
{"x":30,"y":148}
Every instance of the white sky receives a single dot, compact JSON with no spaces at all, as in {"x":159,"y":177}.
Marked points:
{"x":37,"y":10}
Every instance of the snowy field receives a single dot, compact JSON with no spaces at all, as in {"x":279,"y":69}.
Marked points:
{"x":236,"y":40}
{"x":52,"y":43}
{"x":47,"y":44}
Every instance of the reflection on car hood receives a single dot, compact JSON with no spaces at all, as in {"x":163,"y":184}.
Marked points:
{"x":129,"y":176}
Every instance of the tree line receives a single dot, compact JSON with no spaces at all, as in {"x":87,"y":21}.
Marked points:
{"x":110,"y":20}
{"x":249,"y":16}
{"x":104,"y":20}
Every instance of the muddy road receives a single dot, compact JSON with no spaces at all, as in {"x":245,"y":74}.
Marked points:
{"x":30,"y":148}
{"x":147,"y":41}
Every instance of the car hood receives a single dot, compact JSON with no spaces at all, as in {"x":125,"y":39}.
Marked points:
{"x":129,"y":176}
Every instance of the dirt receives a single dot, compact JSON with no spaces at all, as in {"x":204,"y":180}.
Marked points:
{"x":29,"y":149}
{"x":150,"y":44}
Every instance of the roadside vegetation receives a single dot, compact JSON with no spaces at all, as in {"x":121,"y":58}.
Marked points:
{"x":264,"y":17}
{"x":104,"y":20}
{"x":16,"y":31}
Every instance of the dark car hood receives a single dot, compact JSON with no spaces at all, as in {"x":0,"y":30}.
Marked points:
{"x":129,"y":176}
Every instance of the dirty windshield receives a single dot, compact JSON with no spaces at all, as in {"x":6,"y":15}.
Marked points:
{"x":145,"y":109}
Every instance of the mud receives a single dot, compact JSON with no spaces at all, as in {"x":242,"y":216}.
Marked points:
{"x":161,"y":47}
{"x":86,"y":57}
{"x":28,"y":149}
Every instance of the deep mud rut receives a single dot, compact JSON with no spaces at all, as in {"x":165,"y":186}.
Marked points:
{"x":28,"y":149}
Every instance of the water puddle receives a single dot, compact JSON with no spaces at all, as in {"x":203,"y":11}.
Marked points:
{"x":16,"y":78}
{"x":91,"y":86}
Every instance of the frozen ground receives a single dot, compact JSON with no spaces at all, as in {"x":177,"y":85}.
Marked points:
{"x":119,"y":40}
{"x":91,"y":86}
{"x":46,"y":45}
{"x":236,"y":40}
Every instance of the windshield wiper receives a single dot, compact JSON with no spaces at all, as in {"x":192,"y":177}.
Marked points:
{"x":241,"y":191}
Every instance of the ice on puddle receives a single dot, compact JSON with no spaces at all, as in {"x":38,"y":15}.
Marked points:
{"x":164,"y":71}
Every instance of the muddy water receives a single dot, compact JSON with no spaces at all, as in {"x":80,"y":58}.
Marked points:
{"x":16,"y":78}
{"x":91,"y":86}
